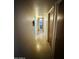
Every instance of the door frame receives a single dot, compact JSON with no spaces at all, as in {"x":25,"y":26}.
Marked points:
{"x":54,"y":11}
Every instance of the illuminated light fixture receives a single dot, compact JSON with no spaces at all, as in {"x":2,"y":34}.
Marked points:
{"x":36,"y":11}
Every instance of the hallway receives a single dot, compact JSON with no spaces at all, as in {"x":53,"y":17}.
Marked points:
{"x":35,"y":23}
{"x":26,"y":43}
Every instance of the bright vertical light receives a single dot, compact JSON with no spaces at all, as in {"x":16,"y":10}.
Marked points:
{"x":38,"y":47}
{"x":36,"y":11}
{"x":36,"y":15}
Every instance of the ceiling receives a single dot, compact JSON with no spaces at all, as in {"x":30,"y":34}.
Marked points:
{"x":29,"y":6}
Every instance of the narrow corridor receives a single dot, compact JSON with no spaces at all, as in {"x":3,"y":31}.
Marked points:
{"x":36,"y":33}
